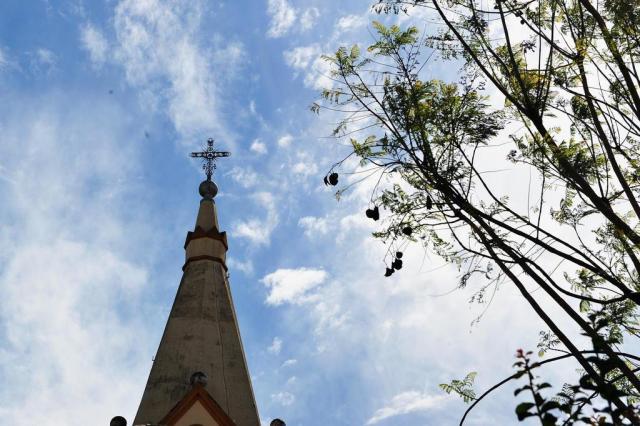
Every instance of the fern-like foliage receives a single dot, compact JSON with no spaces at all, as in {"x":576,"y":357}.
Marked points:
{"x":462,"y":388}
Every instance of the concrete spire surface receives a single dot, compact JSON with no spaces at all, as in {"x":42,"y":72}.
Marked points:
{"x":201,"y":337}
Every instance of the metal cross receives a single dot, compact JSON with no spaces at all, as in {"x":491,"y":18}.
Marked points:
{"x":209,"y":157}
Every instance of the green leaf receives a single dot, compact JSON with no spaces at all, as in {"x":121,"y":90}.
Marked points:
{"x":355,"y":52}
{"x":463,"y":388}
{"x":549,"y":420}
{"x":584,"y":305}
{"x":522,"y":410}
{"x":550,"y":405}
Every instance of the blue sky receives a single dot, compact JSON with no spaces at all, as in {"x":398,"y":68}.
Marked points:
{"x":101,"y":104}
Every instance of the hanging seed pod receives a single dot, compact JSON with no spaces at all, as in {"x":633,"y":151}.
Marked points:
{"x":397,"y":264}
{"x":376,"y":213}
{"x":407,"y":231}
{"x":388,"y":272}
{"x":326,"y":181}
{"x":399,"y":254}
{"x":429,"y":202}
{"x":333,"y":178}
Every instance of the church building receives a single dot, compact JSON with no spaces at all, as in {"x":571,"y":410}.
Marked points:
{"x":199,"y":375}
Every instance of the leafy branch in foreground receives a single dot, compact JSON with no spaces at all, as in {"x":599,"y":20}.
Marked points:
{"x":462,"y":388}
{"x":435,"y":149}
{"x":574,"y":404}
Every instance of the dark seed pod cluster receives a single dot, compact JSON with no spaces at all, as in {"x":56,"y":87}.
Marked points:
{"x":331,"y":179}
{"x":373,"y":213}
{"x":396,"y":265}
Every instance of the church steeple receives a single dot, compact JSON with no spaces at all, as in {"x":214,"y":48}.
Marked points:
{"x":199,"y":374}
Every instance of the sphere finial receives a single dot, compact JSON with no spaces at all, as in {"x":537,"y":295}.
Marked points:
{"x":118,"y":421}
{"x":208,"y":189}
{"x":198,"y":379}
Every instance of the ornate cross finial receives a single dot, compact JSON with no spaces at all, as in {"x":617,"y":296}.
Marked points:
{"x":209,"y":157}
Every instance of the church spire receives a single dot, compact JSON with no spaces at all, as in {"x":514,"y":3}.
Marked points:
{"x":200,"y":373}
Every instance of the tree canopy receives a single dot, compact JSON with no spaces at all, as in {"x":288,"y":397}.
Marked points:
{"x":568,"y":117}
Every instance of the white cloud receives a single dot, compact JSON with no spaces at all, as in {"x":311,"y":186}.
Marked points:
{"x":289,"y":363}
{"x":319,"y":76}
{"x":258,"y":231}
{"x":355,"y":221}
{"x":314,"y":226}
{"x":245,"y":176}
{"x":292,"y":285}
{"x":276,"y":346}
{"x":254,"y":230}
{"x":407,"y":402}
{"x":305,"y":169}
{"x":62,"y":325}
{"x":291,"y":381}
{"x":67,"y":283}
{"x":303,"y":56}
{"x":233,"y":53}
{"x":258,"y":147}
{"x":160,"y":47}
{"x":351,"y":23}
{"x":4,"y":61}
{"x":283,"y":398}
{"x":46,"y":56}
{"x":95,"y":43}
{"x":308,"y":18}
{"x":42,"y":61}
{"x":283,"y":16}
{"x":285,"y":141}
{"x":308,"y":60}
{"x":244,"y":267}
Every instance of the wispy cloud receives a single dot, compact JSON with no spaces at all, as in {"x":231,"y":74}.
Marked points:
{"x":314,"y":226}
{"x":4,"y":60}
{"x":276,"y":346}
{"x":407,"y":402}
{"x":289,"y":363}
{"x":308,"y":61}
{"x":308,"y":18}
{"x":245,"y":176}
{"x":283,"y":398}
{"x":245,"y":267}
{"x":301,"y":57}
{"x":351,"y":22}
{"x":258,"y":230}
{"x":95,"y":43}
{"x":285,"y":140}
{"x":283,"y":16}
{"x":70,"y":276}
{"x":160,"y":46}
{"x":42,"y":61}
{"x":258,"y":147}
